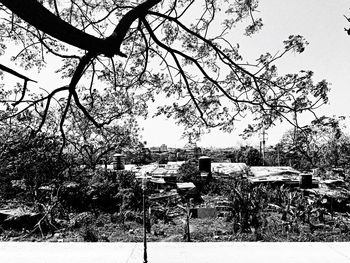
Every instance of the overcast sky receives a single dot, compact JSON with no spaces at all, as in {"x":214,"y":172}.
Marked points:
{"x":322,"y":23}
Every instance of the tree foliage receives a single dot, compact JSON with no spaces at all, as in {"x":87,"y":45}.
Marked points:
{"x":319,"y":144}
{"x":246,"y":154}
{"x":31,"y":162}
{"x":139,"y":155}
{"x":135,"y":50}
{"x":100,"y":190}
{"x":189,"y":172}
{"x":92,"y":145}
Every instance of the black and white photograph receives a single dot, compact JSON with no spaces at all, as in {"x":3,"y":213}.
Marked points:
{"x":171,"y":131}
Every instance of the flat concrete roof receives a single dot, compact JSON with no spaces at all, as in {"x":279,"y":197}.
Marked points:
{"x":229,"y":168}
{"x":223,"y":252}
{"x":258,"y":171}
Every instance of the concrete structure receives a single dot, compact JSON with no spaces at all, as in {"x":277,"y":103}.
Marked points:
{"x":229,"y":169}
{"x":223,"y":252}
{"x":163,"y":148}
{"x":186,"y":189}
{"x":262,"y":171}
{"x":159,"y":173}
{"x":274,"y":174}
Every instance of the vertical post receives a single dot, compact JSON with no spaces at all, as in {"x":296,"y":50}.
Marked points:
{"x":263,"y":146}
{"x":260,"y":152}
{"x":144,"y":185}
{"x":105,"y":164}
{"x":188,"y":221}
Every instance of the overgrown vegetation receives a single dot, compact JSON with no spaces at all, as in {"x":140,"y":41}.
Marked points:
{"x":95,"y":205}
{"x":80,"y":203}
{"x":27,"y":164}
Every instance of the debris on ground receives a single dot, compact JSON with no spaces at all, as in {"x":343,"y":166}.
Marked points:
{"x":19,"y":218}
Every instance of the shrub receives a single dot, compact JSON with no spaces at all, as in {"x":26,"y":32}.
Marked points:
{"x":99,"y":190}
{"x":189,"y":172}
{"x":36,"y":160}
{"x":89,"y":234}
{"x":248,"y":203}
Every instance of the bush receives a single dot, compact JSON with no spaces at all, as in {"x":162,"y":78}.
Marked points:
{"x":74,"y":196}
{"x":36,"y":160}
{"x":105,"y":191}
{"x":189,"y":172}
{"x":89,"y":234}
{"x":102,"y":191}
{"x":248,"y":203}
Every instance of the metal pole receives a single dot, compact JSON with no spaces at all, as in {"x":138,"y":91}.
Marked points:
{"x":144,"y":220}
{"x":261,"y":155}
{"x":188,"y":221}
{"x":263,"y":146}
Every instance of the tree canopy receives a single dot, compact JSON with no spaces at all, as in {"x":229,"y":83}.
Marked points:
{"x":131,"y":51}
{"x":96,"y":145}
{"x":322,"y":143}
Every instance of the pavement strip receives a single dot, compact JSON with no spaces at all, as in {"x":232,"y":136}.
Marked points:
{"x":172,"y":252}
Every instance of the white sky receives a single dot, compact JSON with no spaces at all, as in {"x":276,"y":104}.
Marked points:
{"x":321,"y":22}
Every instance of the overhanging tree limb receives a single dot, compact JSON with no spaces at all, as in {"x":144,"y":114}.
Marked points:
{"x":38,"y":16}
{"x":42,"y":19}
{"x":219,"y":85}
{"x":15,"y":73}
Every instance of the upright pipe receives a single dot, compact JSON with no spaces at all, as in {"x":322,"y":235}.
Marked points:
{"x":144,"y":220}
{"x":188,"y":221}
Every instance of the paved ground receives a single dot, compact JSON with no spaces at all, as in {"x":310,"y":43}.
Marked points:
{"x":175,"y":252}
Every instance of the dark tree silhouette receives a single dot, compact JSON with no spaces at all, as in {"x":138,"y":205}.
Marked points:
{"x":135,"y":50}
